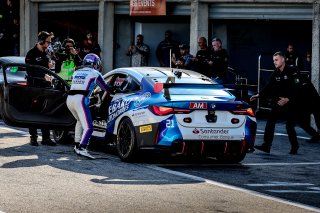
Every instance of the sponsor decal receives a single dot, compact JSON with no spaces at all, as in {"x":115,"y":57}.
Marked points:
{"x":118,"y":107}
{"x":198,"y":105}
{"x":212,"y":134}
{"x":147,"y":128}
{"x":138,"y":114}
{"x":100,"y":124}
{"x":196,"y":131}
{"x":210,"y":131}
{"x":141,"y":99}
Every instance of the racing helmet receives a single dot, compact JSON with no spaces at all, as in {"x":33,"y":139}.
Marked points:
{"x":92,"y":60}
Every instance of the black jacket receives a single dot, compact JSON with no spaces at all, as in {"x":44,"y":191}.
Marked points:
{"x":282,"y":84}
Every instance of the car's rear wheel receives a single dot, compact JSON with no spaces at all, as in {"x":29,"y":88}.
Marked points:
{"x":126,"y":140}
{"x":60,"y":136}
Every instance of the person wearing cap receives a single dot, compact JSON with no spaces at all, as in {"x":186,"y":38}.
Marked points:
{"x":218,"y":61}
{"x":185,"y":61}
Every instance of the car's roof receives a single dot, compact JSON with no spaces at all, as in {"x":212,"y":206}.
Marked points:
{"x":160,"y":74}
{"x":12,"y":59}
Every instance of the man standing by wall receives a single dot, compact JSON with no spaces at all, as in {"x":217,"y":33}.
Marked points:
{"x":219,"y":61}
{"x":139,"y":53}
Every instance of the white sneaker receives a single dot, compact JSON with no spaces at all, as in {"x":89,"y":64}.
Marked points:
{"x":83,"y":152}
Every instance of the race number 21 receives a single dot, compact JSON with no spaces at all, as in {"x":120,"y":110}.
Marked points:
{"x":169,"y":123}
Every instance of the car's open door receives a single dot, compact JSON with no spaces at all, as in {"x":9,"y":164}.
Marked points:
{"x":39,"y":105}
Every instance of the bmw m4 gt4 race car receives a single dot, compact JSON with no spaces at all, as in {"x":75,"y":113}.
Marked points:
{"x":156,"y":108}
{"x":175,"y":110}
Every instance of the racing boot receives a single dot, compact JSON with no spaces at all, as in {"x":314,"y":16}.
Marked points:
{"x":33,"y":141}
{"x":48,"y":141}
{"x":294,"y":150}
{"x":80,"y":150}
{"x":263,"y":147}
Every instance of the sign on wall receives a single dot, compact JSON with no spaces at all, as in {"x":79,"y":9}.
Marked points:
{"x":147,"y":7}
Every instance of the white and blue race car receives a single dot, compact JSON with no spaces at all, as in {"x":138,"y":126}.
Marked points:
{"x":175,"y":110}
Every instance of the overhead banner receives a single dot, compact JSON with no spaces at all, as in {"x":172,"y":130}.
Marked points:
{"x":147,"y":7}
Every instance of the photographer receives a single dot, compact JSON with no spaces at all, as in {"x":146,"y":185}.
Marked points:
{"x":67,"y":60}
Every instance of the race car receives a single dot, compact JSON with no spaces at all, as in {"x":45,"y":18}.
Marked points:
{"x":173,"y":110}
{"x":153,"y":108}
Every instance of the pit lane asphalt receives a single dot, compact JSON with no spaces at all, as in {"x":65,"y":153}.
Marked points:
{"x":54,"y":179}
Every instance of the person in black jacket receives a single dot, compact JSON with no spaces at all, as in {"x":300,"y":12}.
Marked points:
{"x":282,"y":89}
{"x":308,"y":103}
{"x":219,"y":61}
{"x":38,"y":56}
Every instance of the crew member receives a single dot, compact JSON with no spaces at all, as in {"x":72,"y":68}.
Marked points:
{"x":281,"y":88}
{"x":38,"y":56}
{"x":84,"y":81}
{"x":218,"y":61}
{"x":67,"y":60}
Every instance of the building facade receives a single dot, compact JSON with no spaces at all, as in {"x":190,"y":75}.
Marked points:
{"x":250,"y":29}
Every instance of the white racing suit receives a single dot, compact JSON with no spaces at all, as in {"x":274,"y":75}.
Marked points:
{"x":84,"y":81}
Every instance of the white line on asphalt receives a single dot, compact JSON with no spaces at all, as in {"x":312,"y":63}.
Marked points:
{"x":294,"y":191}
{"x":278,"y":164}
{"x":276,"y":183}
{"x":180,"y":174}
{"x":281,"y":134}
{"x":14,"y":130}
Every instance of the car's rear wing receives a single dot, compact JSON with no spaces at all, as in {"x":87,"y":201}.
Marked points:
{"x":170,"y":83}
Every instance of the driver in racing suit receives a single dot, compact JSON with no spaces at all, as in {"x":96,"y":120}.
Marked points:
{"x":84,"y":81}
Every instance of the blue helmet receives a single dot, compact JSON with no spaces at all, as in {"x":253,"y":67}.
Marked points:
{"x":93,"y":60}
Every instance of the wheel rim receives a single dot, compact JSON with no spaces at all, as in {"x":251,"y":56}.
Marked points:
{"x":125,"y":139}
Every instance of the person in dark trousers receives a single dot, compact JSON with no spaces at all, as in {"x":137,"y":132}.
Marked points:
{"x":38,"y":56}
{"x":281,"y":88}
{"x":219,"y":61}
{"x":308,"y":103}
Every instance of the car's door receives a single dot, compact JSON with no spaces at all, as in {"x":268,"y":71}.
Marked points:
{"x":29,"y":104}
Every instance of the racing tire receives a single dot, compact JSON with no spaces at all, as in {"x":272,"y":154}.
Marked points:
{"x":60,"y":136}
{"x":126,"y":142}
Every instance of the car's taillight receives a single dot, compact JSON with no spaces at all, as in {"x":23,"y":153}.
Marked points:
{"x":248,"y":111}
{"x":161,"y":110}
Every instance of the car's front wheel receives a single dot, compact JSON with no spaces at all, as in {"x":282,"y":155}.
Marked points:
{"x":60,"y":136}
{"x":126,"y":140}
